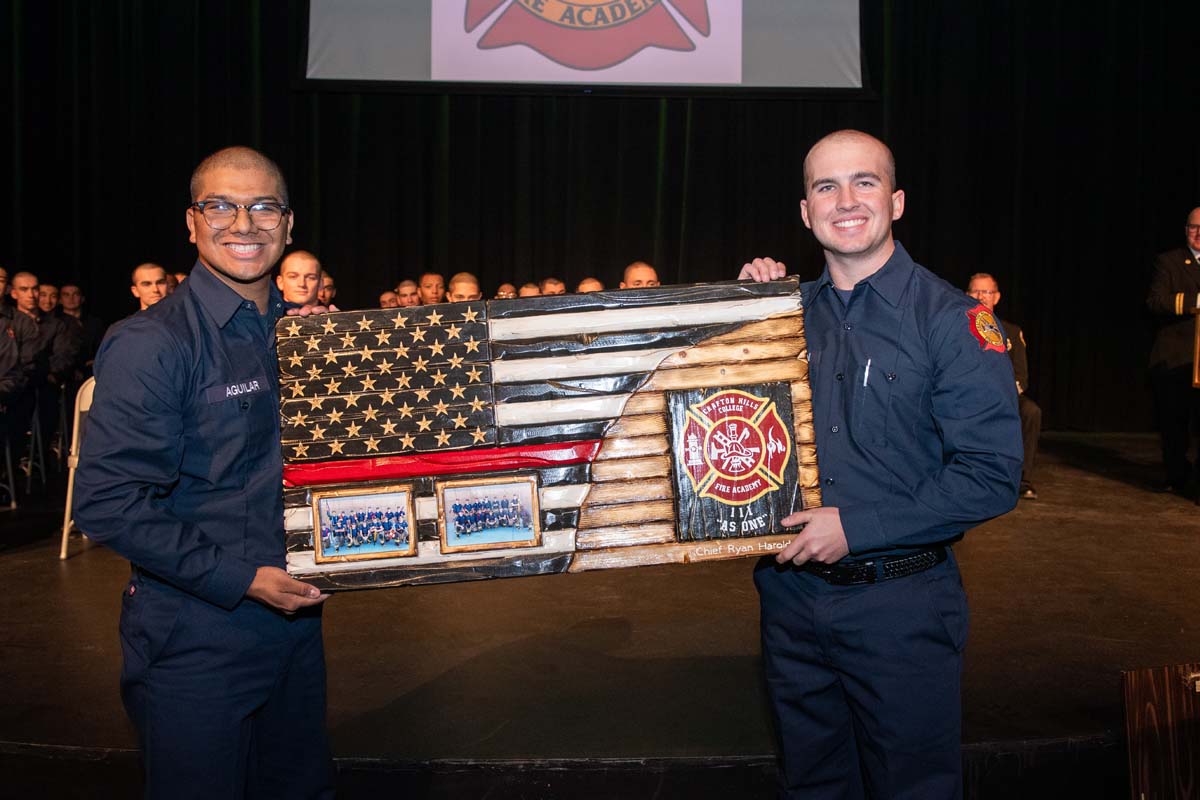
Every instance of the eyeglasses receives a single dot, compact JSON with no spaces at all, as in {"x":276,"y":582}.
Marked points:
{"x":1192,"y":228}
{"x":988,"y":292}
{"x":221,"y":214}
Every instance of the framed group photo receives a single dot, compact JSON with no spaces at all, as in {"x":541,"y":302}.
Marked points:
{"x":488,"y":514}
{"x":364,"y":523}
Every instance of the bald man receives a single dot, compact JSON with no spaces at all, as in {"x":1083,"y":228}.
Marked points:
{"x":638,"y":275}
{"x":463,"y":287}
{"x":406,"y":293}
{"x":299,"y":277}
{"x":863,"y":614}
{"x":148,"y":284}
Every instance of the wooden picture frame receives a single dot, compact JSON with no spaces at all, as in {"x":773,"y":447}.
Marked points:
{"x":488,"y":513}
{"x":364,"y":523}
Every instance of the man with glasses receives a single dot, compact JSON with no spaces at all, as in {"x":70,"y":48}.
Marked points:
{"x":181,"y":473}
{"x":1173,"y":299}
{"x":983,"y":287}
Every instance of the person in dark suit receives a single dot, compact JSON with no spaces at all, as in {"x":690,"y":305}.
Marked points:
{"x":983,"y":287}
{"x":1173,"y":299}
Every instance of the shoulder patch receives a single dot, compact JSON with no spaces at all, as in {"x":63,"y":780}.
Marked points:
{"x":985,"y":329}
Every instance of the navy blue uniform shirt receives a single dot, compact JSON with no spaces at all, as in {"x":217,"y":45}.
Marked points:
{"x":918,"y":437}
{"x":181,"y":470}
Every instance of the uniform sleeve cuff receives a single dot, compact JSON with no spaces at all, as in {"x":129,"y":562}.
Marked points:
{"x":228,"y":583}
{"x":863,"y":530}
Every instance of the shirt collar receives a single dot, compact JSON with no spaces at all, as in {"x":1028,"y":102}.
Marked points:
{"x":222,"y":302}
{"x":889,"y":281}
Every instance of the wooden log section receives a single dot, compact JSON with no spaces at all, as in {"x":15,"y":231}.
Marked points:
{"x":625,"y":536}
{"x":1162,"y":728}
{"x":731,"y":375}
{"x":806,"y":453}
{"x":790,"y":326}
{"x":616,"y":492}
{"x":804,"y":433}
{"x":692,"y":552}
{"x":632,"y":447}
{"x":811,"y":496}
{"x":802,"y":410}
{"x":637,"y":425}
{"x":736,"y":353}
{"x":808,"y":476}
{"x":626,"y":514}
{"x":646,"y":403}
{"x":627,"y":469}
{"x":801,"y":392}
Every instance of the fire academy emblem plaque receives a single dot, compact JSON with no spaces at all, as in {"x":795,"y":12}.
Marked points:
{"x":734,"y":467}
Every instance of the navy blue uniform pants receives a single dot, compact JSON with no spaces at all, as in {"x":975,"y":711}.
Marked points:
{"x":864,"y":682}
{"x":227,"y":704}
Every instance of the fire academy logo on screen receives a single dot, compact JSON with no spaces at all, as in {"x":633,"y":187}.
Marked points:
{"x":588,"y":34}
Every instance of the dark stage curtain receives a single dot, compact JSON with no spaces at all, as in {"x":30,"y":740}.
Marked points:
{"x":1055,"y":145}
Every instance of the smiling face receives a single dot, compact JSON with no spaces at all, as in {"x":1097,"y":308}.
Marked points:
{"x":149,"y":285}
{"x":242,"y":255}
{"x":47,"y":297}
{"x":299,"y":278}
{"x":850,"y":202}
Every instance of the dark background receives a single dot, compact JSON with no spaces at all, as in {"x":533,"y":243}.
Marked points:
{"x":1054,"y":144}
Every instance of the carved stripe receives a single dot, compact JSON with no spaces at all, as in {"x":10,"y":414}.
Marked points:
{"x":626,"y":319}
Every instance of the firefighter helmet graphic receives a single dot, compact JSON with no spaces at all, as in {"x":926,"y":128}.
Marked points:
{"x":735,"y":447}
{"x":588,"y":34}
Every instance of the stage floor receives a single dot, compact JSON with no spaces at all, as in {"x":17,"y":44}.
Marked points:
{"x":1098,"y":575}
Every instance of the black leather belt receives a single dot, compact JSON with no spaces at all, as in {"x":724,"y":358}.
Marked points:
{"x":875,"y":570}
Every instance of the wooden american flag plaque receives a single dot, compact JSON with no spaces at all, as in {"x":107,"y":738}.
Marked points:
{"x":662,"y":425}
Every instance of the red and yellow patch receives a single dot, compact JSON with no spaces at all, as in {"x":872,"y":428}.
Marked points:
{"x":986,"y":329}
{"x":588,"y":34}
{"x":736,"y":447}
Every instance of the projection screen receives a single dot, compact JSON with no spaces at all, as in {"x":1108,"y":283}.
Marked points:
{"x":748,"y":44}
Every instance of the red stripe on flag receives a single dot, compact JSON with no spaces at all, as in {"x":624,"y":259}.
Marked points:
{"x":586,"y":49}
{"x":535,"y":456}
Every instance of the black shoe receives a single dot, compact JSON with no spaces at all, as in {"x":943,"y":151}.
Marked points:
{"x":1028,"y":492}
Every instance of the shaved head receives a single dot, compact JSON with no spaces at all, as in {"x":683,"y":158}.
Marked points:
{"x":238,"y":158}
{"x":845,"y":136}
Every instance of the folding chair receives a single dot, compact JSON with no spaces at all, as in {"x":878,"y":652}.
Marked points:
{"x":83,"y":402}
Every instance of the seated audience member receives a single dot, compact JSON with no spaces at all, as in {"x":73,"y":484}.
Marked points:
{"x":89,"y":328}
{"x":588,"y":285}
{"x":19,"y":334}
{"x":180,"y":277}
{"x":406,"y":291}
{"x":328,"y":290}
{"x":172,"y":284}
{"x":552,"y":285}
{"x":639,"y":274}
{"x":431,"y":288}
{"x":148,"y":284}
{"x":983,"y":287}
{"x":299,"y":278}
{"x":464,"y":286}
{"x":529,"y":290}
{"x":389,"y":299}
{"x":55,"y":350}
{"x":506,"y":292}
{"x":47,"y":297}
